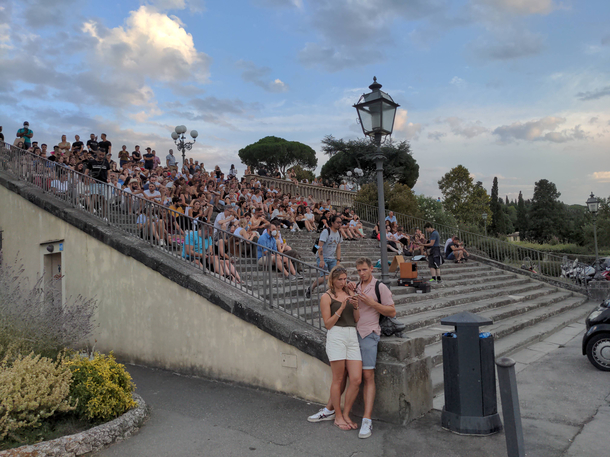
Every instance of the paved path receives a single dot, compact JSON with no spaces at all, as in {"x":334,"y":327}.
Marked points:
{"x":559,"y":392}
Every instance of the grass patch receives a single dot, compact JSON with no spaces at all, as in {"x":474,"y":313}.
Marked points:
{"x":54,"y":427}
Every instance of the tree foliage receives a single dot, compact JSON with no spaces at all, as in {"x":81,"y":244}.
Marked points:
{"x":302,"y":173}
{"x":498,"y":223}
{"x":522,"y":225}
{"x":546,"y":212}
{"x":432,"y":210}
{"x":399,"y":165}
{"x":464,"y":199}
{"x":398,"y":198}
{"x":278,"y":153}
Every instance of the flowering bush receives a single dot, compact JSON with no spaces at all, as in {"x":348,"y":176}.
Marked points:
{"x":102,"y":387}
{"x":32,"y":388}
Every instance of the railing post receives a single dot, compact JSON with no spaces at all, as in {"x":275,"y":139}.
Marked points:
{"x":269,"y":268}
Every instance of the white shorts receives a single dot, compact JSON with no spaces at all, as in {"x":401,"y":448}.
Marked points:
{"x":342,"y":344}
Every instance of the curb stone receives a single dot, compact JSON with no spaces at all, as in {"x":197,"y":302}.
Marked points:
{"x":90,"y":440}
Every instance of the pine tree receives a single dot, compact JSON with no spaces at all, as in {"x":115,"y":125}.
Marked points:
{"x":498,"y":224}
{"x":522,"y":226}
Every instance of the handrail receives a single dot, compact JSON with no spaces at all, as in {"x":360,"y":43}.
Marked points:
{"x":546,"y":264}
{"x":337,"y":197}
{"x":166,"y":230}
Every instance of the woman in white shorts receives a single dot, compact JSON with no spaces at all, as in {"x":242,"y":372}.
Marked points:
{"x":340,"y":313}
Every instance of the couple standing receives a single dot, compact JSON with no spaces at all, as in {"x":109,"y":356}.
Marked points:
{"x":351,"y":315}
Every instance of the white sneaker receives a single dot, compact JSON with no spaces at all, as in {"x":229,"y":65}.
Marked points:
{"x":322,"y":415}
{"x":366,"y":429}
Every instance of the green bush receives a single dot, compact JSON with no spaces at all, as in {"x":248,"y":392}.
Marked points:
{"x":102,"y":387}
{"x":32,"y":388}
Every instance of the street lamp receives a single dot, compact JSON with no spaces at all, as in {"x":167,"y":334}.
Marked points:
{"x":179,"y":137}
{"x":376,"y":112}
{"x":593,"y":206}
{"x":357,"y":174}
{"x":485,"y":222}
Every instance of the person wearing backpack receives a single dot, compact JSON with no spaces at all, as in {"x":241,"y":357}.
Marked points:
{"x":373,"y":299}
{"x":328,"y":253}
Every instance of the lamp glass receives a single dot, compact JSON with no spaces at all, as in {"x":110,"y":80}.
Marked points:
{"x":194,"y":133}
{"x":174,"y":135}
{"x":593,"y":204}
{"x":388,"y":113}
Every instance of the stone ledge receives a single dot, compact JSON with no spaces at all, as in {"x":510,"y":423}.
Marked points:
{"x":90,"y":440}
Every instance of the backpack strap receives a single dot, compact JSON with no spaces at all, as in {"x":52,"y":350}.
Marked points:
{"x":377,"y":291}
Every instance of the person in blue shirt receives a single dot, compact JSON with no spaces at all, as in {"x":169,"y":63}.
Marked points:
{"x":267,"y":243}
{"x":193,"y":247}
{"x":435,"y":259}
{"x":391,"y":218}
{"x":25,"y":134}
{"x":213,"y":261}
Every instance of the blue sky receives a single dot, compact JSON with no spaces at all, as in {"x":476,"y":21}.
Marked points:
{"x":517,"y":89}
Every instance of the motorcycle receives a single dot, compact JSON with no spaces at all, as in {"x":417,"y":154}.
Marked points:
{"x":596,"y":341}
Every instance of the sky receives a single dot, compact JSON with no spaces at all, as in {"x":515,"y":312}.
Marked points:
{"x":517,"y":89}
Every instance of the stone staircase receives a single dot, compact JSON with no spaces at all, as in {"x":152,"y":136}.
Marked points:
{"x":523,"y":310}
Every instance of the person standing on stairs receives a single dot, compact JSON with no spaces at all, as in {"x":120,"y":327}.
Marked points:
{"x":435,"y":259}
{"x":329,"y":251}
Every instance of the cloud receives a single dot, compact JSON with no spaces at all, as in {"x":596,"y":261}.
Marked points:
{"x":363,"y":30}
{"x":436,"y":136}
{"x":507,"y":44}
{"x":279,"y":3}
{"x":149,"y":45}
{"x":540,"y":130}
{"x":601,"y":176}
{"x":606,"y":39}
{"x":194,"y":6}
{"x":468,"y":130}
{"x":214,"y":110}
{"x":594,"y":120}
{"x":594,"y":95}
{"x":530,"y":130}
{"x":411,"y":131}
{"x":259,"y":76}
{"x":47,"y":13}
{"x":520,"y":7}
{"x":457,"y":82}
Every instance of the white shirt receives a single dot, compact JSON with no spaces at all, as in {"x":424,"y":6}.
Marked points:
{"x":221,"y":217}
{"x":59,"y":186}
{"x":156,"y":195}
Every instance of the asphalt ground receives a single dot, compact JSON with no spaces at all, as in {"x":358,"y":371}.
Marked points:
{"x":564,"y":406}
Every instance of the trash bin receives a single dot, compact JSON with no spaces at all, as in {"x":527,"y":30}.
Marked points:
{"x":469,"y":376}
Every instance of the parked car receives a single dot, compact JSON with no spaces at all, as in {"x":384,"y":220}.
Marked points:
{"x":596,"y":342}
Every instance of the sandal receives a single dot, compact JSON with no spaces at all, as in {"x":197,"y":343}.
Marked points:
{"x":345,"y":427}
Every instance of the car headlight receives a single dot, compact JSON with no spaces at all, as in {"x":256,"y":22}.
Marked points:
{"x":594,"y":314}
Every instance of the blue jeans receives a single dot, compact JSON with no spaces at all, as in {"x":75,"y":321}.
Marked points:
{"x":329,"y":264}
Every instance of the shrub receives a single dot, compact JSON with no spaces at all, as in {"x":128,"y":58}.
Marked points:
{"x":398,"y":198}
{"x":102,"y":387}
{"x":32,"y":389}
{"x":34,"y":321}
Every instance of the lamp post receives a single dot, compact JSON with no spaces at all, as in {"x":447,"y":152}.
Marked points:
{"x":593,"y":206}
{"x":179,"y":137}
{"x":376,"y":112}
{"x":357,"y":174}
{"x":485,"y":222}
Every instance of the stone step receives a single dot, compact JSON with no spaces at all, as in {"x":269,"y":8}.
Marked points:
{"x":514,"y":340}
{"x":473,"y":291}
{"x":432,"y":315}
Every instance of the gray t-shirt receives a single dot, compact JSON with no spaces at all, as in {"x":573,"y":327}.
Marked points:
{"x":331,"y":240}
{"x":437,"y":239}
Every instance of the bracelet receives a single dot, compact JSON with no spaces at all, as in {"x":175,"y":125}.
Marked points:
{"x":337,"y":314}
{"x":356,"y":309}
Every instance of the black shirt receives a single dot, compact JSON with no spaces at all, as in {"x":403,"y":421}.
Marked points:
{"x":104,"y":145}
{"x":1,"y":136}
{"x":92,"y":144}
{"x":98,"y":169}
{"x":136,"y":156}
{"x":77,"y":145}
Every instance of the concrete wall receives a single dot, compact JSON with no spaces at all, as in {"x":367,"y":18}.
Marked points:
{"x":147,"y":318}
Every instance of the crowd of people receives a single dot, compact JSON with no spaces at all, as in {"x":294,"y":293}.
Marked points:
{"x":244,"y":208}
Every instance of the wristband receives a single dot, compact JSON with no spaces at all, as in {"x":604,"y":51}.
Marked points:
{"x":337,"y":314}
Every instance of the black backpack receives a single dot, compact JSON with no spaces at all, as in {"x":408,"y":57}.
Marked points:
{"x":389,"y":325}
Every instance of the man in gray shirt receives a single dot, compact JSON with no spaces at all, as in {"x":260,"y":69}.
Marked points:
{"x":329,"y":251}
{"x":170,"y":160}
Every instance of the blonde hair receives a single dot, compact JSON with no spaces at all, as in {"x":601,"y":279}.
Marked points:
{"x":332,"y":277}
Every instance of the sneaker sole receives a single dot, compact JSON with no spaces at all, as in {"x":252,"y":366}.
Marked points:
{"x":364,"y":436}
{"x":329,"y":418}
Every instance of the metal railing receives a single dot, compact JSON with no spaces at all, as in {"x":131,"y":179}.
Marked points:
{"x":543,"y":263}
{"x":229,"y":259}
{"x":337,"y":197}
